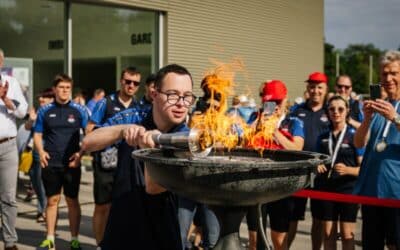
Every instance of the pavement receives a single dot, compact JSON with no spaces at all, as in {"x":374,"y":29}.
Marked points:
{"x":31,"y":233}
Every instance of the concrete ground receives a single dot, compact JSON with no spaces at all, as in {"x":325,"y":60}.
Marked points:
{"x":31,"y":233}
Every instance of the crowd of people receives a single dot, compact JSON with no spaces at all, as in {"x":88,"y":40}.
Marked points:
{"x":361,"y":136}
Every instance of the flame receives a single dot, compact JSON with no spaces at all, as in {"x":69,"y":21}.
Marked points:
{"x":222,"y":130}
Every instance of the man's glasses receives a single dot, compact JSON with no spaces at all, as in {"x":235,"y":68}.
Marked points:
{"x":333,"y":109}
{"x":339,"y":86}
{"x":129,"y":82}
{"x":173,"y":98}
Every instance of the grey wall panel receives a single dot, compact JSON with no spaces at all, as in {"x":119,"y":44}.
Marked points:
{"x":276,"y":39}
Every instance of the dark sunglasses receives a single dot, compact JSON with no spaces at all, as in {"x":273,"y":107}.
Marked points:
{"x":333,"y":109}
{"x":129,"y":82}
{"x":343,"y":86}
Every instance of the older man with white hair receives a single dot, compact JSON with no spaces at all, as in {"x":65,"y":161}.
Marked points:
{"x":12,"y":105}
{"x":380,"y":170}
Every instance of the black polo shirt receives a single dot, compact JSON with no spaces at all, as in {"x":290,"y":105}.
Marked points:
{"x":315,"y":124}
{"x":347,"y":155}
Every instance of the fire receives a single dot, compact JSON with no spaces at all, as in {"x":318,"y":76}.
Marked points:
{"x":219,"y":129}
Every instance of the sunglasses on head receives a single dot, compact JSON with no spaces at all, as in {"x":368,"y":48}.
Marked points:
{"x":339,"y":86}
{"x":129,"y":82}
{"x":333,"y":109}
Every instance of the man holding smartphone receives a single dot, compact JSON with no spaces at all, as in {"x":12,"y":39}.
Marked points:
{"x":380,"y":169}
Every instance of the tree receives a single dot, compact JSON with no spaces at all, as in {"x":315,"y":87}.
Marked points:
{"x":354,"y":61}
{"x":330,"y":64}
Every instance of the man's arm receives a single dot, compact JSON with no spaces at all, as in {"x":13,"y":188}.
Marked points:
{"x":38,"y":143}
{"x":296,"y":144}
{"x":361,"y":136}
{"x":103,"y":137}
{"x":90,"y":126}
{"x":14,"y":100}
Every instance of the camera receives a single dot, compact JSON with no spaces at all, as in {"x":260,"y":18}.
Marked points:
{"x":375,"y":91}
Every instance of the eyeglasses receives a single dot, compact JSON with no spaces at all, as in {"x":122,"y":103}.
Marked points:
{"x":129,"y":82}
{"x":173,"y":98}
{"x":333,"y":109}
{"x":339,"y":86}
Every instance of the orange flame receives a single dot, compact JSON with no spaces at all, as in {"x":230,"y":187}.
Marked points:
{"x":222,"y":130}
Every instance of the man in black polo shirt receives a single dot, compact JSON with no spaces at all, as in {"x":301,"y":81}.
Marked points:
{"x":105,"y":161}
{"x":314,"y":115}
{"x":153,"y":223}
{"x":56,"y":138}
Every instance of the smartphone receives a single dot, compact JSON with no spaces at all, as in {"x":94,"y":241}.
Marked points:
{"x":375,"y":91}
{"x":269,"y":108}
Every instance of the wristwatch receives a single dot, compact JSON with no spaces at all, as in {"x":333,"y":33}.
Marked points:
{"x":396,"y":120}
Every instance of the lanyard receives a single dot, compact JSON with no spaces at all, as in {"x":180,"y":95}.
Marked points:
{"x":337,"y":147}
{"x":338,"y":143}
{"x":387,"y":126}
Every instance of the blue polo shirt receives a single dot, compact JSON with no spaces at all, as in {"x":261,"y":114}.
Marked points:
{"x":292,"y":125}
{"x":108,"y":107}
{"x":347,"y":155}
{"x":60,"y":125}
{"x":380,"y":171}
{"x":315,"y":124}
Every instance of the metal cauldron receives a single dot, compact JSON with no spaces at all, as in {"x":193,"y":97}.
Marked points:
{"x":232,"y":181}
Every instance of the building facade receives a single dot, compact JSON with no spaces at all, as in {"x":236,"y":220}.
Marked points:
{"x":94,"y":39}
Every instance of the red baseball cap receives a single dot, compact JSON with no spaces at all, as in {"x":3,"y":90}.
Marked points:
{"x":317,"y":77}
{"x":274,"y":90}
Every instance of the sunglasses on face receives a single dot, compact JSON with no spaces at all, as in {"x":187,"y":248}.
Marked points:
{"x":333,"y":109}
{"x":339,"y":86}
{"x":129,"y":82}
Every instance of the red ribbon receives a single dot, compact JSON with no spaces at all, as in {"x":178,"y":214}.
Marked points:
{"x":349,"y":198}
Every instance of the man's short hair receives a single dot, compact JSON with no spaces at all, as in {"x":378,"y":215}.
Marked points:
{"x":130,"y":71}
{"x":171,"y":68}
{"x":150,"y":79}
{"x":98,"y":91}
{"x":61,"y":78}
{"x":343,"y":76}
{"x":390,"y":56}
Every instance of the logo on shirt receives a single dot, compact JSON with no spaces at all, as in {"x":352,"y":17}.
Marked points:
{"x":52,"y":115}
{"x":345,"y":145}
{"x":302,"y":114}
{"x":117,"y":109}
{"x":324,"y":118}
{"x":71,"y":119}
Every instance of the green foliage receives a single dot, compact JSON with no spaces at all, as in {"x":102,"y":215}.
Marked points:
{"x":354,"y":61}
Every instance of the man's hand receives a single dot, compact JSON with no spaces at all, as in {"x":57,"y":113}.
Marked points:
{"x":384,"y":108}
{"x":132,"y":134}
{"x":44,"y":157}
{"x":3,"y":90}
{"x":146,"y":141}
{"x":74,"y":160}
{"x":368,"y":110}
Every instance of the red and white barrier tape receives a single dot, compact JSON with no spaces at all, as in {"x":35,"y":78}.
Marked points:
{"x":349,"y":198}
